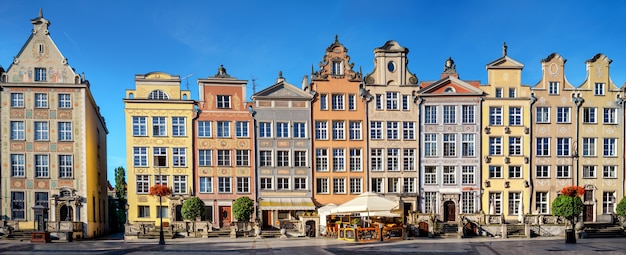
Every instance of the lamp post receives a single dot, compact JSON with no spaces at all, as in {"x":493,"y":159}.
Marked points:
{"x":161,"y":238}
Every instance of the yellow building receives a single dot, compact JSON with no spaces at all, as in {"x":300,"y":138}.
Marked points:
{"x":159,"y":117}
{"x":53,"y":144}
{"x":506,"y":139}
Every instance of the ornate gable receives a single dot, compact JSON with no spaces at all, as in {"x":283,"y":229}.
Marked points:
{"x":282,"y":90}
{"x":505,"y":62}
{"x":336,"y":64}
{"x":450,"y":85}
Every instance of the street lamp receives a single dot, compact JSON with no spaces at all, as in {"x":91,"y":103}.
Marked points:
{"x":161,"y":238}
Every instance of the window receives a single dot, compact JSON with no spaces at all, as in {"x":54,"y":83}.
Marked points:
{"x":339,"y":130}
{"x":543,"y":115}
{"x":610,"y":147}
{"x":467,"y":198}
{"x":41,"y":100}
{"x":243,"y":184}
{"x":355,"y":160}
{"x":40,"y":74}
{"x":392,"y":100}
{"x":339,"y":160}
{"x":299,"y":130}
{"x":408,"y":130}
{"x":204,"y":129}
{"x":143,"y":211}
{"x":469,"y":114}
{"x":355,"y":130}
{"x":449,"y":175}
{"x":589,"y":146}
{"x":515,"y":172}
{"x":323,"y":102}
{"x":609,"y":172}
{"x":356,"y":186}
{"x":299,"y":159}
{"x":430,"y":175}
{"x":392,"y":159}
{"x":589,"y":114}
{"x":608,"y":202}
{"x":408,"y":157}
{"x":223,"y":157}
{"x":41,"y":131}
{"x":495,"y":145}
{"x":406,"y":102}
{"x":180,"y":184}
{"x":515,"y":116}
{"x":140,"y":126}
{"x":224,"y":185}
{"x":392,"y":130}
{"x":542,"y":202}
{"x":17,"y":205}
{"x":282,"y":158}
{"x":178,"y":126}
{"x":65,"y":131}
{"x":563,"y":115}
{"x":352,"y":102}
{"x":339,"y":185}
{"x":496,"y":200}
{"x":430,"y":145}
{"x":589,"y":171}
{"x":468,"y":174}
{"x":241,"y":128}
{"x":158,"y":94}
{"x":562,"y":146}
{"x":242,"y":157}
{"x":553,"y":88}
{"x":66,"y":165}
{"x":17,"y":130}
{"x":409,"y":185}
{"x":265,"y":129}
{"x":223,"y":101}
{"x":266,"y":183}
{"x":17,"y":100}
{"x":393,"y":185}
{"x":159,"y":126}
{"x":376,"y":159}
{"x":282,"y":129}
{"x":321,"y":159}
{"x":515,"y":146}
{"x":223,"y":129}
{"x":336,"y":68}
{"x":321,"y":186}
{"x":543,"y":146}
{"x":379,"y":102}
{"x":282,"y":183}
{"x":338,"y":102}
{"x":376,"y":130}
{"x":160,"y":156}
{"x":610,"y":116}
{"x":179,"y":157}
{"x":41,"y":198}
{"x":377,"y":185}
{"x":599,"y":89}
{"x":265,"y":158}
{"x":449,"y":145}
{"x":449,"y":114}
{"x":205,"y":157}
{"x":321,"y":130}
{"x":140,"y":156}
{"x":543,"y":171}
{"x":42,"y":166}
{"x":161,"y":179}
{"x":562,"y":171}
{"x":514,"y":199}
{"x":495,"y":116}
{"x":143,"y":184}
{"x":495,"y":172}
{"x":499,"y":92}
{"x":512,"y":93}
{"x":430,"y":202}
{"x":162,"y":211}
{"x":430,"y":114}
{"x":18,"y":165}
{"x":65,"y":101}
{"x":299,"y":183}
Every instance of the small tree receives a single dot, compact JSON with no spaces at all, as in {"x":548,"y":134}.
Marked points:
{"x":193,"y":208}
{"x":620,"y":210}
{"x":569,"y":205}
{"x":120,"y":182}
{"x":243,"y":208}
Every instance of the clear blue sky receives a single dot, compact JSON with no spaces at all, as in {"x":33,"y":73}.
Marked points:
{"x":111,"y":41}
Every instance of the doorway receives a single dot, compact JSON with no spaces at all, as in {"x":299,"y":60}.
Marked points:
{"x":423,"y":229}
{"x":449,"y":211}
{"x":266,"y":218}
{"x":588,"y":213}
{"x":225,"y":216}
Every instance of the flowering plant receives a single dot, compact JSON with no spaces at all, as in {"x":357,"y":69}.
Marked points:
{"x":573,"y":191}
{"x":160,"y":190}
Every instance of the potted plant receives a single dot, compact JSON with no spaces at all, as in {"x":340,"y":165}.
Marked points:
{"x":355,"y":222}
{"x":569,"y":205}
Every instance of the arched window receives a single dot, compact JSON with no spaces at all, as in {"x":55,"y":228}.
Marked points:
{"x":158,"y":94}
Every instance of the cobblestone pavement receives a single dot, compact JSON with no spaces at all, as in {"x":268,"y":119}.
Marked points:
{"x":306,"y":246}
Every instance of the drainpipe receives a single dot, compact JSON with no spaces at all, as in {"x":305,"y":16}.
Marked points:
{"x":194,"y":167}
{"x":420,"y":188}
{"x":530,"y":185}
{"x":255,"y":167}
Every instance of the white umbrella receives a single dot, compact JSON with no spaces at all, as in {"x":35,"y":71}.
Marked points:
{"x":520,"y":209}
{"x":366,"y":202}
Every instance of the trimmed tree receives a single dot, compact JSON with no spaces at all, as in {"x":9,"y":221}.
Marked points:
{"x":569,"y":205}
{"x":243,"y":208}
{"x":193,"y":208}
{"x":620,"y":210}
{"x":120,"y":182}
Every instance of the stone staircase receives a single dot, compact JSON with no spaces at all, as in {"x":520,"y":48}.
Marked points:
{"x":515,"y":230}
{"x":449,"y":229}
{"x":602,"y":230}
{"x":18,"y":235}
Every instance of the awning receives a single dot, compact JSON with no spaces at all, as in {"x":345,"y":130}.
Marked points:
{"x":286,"y":203}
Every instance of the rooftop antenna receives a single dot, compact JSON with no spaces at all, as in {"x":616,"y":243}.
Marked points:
{"x":253,"y":85}
{"x":185,"y":78}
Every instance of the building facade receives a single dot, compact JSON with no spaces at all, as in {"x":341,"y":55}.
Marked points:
{"x":159,"y":117}
{"x":282,"y":126}
{"x":450,"y":131}
{"x":54,"y":145}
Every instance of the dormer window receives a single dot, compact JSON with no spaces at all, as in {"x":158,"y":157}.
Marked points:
{"x":158,"y":94}
{"x":337,"y":68}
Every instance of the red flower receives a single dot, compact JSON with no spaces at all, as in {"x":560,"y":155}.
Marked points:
{"x":573,"y":191}
{"x":160,"y":190}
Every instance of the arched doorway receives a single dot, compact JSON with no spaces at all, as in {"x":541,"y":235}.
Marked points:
{"x":65,"y":213}
{"x":449,"y":211}
{"x":310,"y":228}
